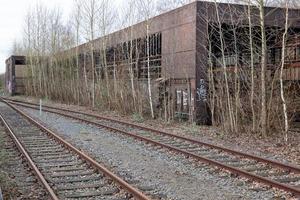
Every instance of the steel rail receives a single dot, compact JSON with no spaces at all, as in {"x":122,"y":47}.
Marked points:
{"x":1,"y":196}
{"x":288,"y":167}
{"x":29,"y":160}
{"x":267,"y":181}
{"x":126,"y":186}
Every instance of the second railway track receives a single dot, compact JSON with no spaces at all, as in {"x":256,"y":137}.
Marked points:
{"x":65,"y":172}
{"x":270,"y":172}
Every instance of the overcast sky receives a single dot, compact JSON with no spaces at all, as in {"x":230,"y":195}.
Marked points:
{"x":12,"y":14}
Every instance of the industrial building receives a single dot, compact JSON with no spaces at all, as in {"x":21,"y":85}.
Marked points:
{"x":15,"y":75}
{"x":178,"y":50}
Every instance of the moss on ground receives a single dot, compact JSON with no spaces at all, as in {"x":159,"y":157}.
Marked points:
{"x":136,"y":117}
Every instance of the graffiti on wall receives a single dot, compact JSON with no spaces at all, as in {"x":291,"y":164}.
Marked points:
{"x":201,"y":91}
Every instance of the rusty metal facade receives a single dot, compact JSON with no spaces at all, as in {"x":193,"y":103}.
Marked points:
{"x":15,"y":75}
{"x":207,"y":14}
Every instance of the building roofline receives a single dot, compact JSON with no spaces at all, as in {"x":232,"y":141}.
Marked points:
{"x":173,"y":11}
{"x":244,"y":4}
{"x":138,"y":23}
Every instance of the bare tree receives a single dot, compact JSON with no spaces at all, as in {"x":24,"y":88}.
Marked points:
{"x":90,"y":9}
{"x":222,"y":48}
{"x":284,"y":105}
{"x":251,"y":66}
{"x":147,"y":8}
{"x":76,"y":22}
{"x":129,"y":14}
{"x":106,"y":15}
{"x":240,"y":84}
{"x":263,"y":117}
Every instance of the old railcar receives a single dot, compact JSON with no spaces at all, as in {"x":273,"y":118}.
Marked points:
{"x":15,"y":75}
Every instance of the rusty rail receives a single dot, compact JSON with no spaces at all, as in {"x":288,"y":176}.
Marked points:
{"x":289,"y":167}
{"x":29,"y":160}
{"x":1,"y":196}
{"x":135,"y":192}
{"x":235,"y":170}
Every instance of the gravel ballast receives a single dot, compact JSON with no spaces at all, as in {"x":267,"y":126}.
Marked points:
{"x":272,"y":146}
{"x":168,"y":175}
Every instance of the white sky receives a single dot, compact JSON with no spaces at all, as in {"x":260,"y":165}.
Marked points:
{"x":12,"y":15}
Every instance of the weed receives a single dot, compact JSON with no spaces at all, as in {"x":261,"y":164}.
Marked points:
{"x":137,"y":118}
{"x":192,"y":128}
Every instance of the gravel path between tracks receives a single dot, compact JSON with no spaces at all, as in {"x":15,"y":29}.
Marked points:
{"x":171,"y":176}
{"x":17,"y":180}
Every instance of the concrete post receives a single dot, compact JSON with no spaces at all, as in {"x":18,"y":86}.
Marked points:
{"x":40,"y":106}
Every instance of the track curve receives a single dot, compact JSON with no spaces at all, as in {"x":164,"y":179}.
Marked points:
{"x":270,"y":172}
{"x":65,"y":171}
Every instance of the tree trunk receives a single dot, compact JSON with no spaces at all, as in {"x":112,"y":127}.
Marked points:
{"x":284,"y":106}
{"x":148,"y":67}
{"x":252,"y":70}
{"x":263,"y":70}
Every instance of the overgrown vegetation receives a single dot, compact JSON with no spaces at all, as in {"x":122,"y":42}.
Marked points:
{"x":138,"y":118}
{"x":251,"y":86}
{"x":244,"y":94}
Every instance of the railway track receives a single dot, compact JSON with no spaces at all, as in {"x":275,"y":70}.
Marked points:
{"x":19,"y":177}
{"x":270,"y":172}
{"x":64,"y":171}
